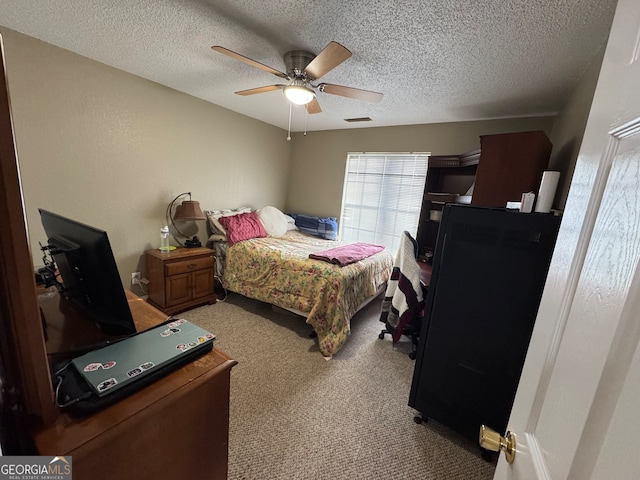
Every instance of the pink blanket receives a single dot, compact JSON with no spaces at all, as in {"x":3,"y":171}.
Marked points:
{"x":346,"y":254}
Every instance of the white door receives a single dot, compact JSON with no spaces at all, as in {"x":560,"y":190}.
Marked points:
{"x":577,"y":411}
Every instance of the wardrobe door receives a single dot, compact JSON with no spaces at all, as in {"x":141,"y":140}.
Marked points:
{"x":510,"y":164}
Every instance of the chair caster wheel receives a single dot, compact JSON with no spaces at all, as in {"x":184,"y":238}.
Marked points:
{"x":412,"y":355}
{"x":419,"y":419}
{"x":381,"y":336}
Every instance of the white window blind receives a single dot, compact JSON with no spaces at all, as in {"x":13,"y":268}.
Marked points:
{"x":382,"y":197}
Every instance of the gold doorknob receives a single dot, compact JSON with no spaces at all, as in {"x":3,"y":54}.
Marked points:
{"x":492,"y":440}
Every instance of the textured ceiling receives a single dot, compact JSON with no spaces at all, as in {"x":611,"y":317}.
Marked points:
{"x":435,"y":60}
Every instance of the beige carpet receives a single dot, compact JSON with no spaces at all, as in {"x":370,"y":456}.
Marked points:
{"x":295,"y":415}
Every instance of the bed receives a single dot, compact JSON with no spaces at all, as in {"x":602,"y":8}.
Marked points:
{"x":278,"y":270}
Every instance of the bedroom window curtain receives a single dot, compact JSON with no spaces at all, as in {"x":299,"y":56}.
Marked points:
{"x":382,"y":197}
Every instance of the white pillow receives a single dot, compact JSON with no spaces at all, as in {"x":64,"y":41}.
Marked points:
{"x":273,"y":221}
{"x":214,"y":215}
{"x":291,"y":222}
{"x":216,"y":237}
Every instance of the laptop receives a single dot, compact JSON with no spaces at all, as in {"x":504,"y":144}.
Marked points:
{"x":115,"y":366}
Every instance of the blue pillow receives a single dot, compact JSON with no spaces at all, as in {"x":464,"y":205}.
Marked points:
{"x":323,"y":227}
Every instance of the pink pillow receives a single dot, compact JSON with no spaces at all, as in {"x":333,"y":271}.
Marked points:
{"x":242,"y":227}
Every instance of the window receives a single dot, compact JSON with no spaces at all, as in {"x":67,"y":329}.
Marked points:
{"x":382,"y":197}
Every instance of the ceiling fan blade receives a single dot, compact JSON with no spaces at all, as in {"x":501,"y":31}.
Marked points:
{"x":253,"y":91}
{"x":350,"y":92}
{"x":313,"y":106}
{"x":248,"y":61}
{"x":328,"y":59}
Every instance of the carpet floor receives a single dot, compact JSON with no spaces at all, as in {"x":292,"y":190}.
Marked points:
{"x":295,"y":415}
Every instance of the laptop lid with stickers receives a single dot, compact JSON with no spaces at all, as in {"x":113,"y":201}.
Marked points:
{"x":115,"y":366}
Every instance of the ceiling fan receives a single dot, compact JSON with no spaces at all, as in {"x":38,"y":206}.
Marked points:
{"x":302,"y":70}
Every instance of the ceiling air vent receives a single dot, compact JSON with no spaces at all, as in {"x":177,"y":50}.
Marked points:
{"x":360,"y":119}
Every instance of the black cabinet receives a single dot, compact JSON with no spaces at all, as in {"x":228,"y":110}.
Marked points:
{"x":489,"y":270}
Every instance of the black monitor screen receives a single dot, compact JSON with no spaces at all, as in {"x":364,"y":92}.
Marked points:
{"x":90,"y":278}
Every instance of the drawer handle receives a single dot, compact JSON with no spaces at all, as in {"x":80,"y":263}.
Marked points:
{"x":191,"y":265}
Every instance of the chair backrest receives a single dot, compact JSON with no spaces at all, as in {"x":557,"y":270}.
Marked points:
{"x":415,"y":243}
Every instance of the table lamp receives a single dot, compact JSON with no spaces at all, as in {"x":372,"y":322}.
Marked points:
{"x":188,"y":210}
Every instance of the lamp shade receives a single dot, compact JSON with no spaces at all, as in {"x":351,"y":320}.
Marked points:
{"x":189,"y":210}
{"x":298,"y":93}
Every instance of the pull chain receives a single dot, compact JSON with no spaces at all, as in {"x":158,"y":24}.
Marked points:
{"x":289,"y":131}
{"x":306,"y":115}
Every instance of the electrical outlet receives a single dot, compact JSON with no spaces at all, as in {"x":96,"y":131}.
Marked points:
{"x":135,"y":278}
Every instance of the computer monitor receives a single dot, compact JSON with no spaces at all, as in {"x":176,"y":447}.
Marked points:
{"x":90,"y":278}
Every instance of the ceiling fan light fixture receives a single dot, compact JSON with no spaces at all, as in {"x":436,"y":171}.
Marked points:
{"x":298,"y":93}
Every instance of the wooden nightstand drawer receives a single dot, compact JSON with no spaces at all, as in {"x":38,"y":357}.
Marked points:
{"x":188,"y":265}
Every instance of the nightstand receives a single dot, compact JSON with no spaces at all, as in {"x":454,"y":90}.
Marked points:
{"x":181,"y":279}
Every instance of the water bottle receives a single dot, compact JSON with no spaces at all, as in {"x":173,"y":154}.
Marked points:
{"x":164,"y":239}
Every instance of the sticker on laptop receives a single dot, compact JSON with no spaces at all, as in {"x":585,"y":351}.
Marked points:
{"x":199,"y":341}
{"x":147,"y":365}
{"x":107,"y":384}
{"x":92,"y":367}
{"x":169,"y":331}
{"x":134,"y":372}
{"x":176,"y":323}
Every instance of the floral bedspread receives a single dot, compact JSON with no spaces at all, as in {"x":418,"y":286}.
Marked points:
{"x":278,"y":270}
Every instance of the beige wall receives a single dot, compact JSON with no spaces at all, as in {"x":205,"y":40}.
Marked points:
{"x":112,"y":150}
{"x":568,"y":129}
{"x":319,"y":158}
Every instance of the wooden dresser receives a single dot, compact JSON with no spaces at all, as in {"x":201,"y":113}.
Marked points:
{"x":181,"y":279}
{"x":177,"y":427}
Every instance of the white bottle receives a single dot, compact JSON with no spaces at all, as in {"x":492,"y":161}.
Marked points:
{"x":164,"y":239}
